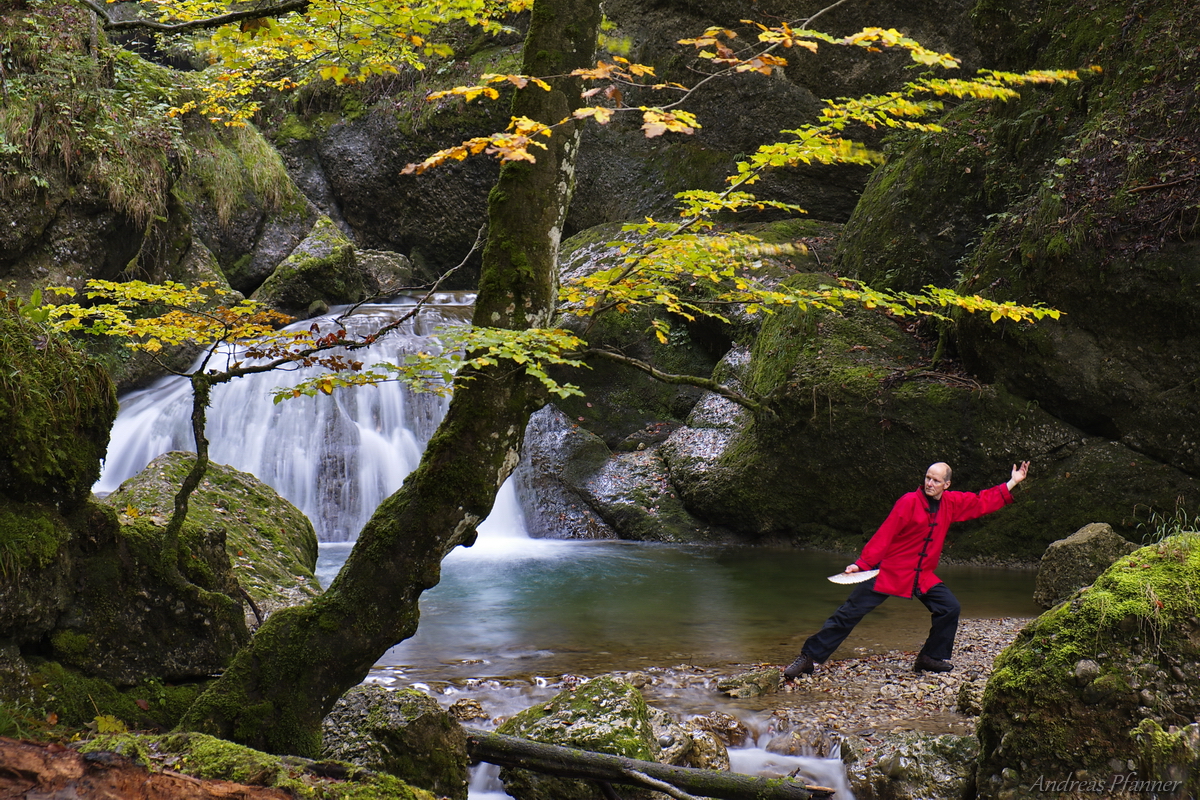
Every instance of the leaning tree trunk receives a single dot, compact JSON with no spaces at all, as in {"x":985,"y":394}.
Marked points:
{"x":279,"y":688}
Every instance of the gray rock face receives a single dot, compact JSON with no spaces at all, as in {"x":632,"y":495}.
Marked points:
{"x":555,"y":460}
{"x":1074,"y":562}
{"x":916,"y":766}
{"x":403,"y":732}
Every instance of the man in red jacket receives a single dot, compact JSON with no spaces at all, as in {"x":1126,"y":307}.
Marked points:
{"x":906,"y":549}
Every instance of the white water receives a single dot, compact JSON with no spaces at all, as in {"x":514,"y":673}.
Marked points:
{"x":334,"y":457}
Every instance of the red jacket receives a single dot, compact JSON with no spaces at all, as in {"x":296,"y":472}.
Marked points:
{"x":908,"y":544}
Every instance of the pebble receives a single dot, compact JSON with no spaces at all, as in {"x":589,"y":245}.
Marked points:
{"x":879,"y":693}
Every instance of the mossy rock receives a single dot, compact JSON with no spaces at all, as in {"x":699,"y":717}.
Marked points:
{"x":1047,"y":199}
{"x":401,"y":732}
{"x":604,"y":715}
{"x":859,"y":416}
{"x":209,"y":758}
{"x":1070,"y":696}
{"x":271,"y":545}
{"x":321,"y":271}
{"x":134,"y":616}
{"x":1074,"y":562}
{"x":150,"y":704}
{"x":57,"y":406}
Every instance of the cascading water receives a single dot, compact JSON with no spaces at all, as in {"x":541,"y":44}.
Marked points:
{"x":334,"y":457}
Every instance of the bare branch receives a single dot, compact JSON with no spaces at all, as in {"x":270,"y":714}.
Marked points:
{"x":260,"y":12}
{"x":754,"y":405}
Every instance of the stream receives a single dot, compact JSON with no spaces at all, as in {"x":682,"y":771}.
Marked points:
{"x":513,"y":615}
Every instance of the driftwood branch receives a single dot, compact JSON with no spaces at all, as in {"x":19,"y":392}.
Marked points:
{"x":569,"y":762}
{"x":259,"y":12}
{"x":754,"y":406}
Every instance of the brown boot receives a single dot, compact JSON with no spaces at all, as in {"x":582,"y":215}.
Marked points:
{"x":926,"y":663}
{"x":803,"y":665}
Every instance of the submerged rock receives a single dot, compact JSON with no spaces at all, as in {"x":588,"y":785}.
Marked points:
{"x":1074,"y":562}
{"x":915,"y":766}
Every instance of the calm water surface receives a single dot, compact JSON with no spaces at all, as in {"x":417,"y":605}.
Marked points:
{"x":520,"y":608}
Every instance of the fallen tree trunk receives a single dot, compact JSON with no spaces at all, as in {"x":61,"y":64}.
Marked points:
{"x":569,"y":762}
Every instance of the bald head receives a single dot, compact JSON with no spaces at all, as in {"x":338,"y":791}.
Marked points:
{"x":937,"y":479}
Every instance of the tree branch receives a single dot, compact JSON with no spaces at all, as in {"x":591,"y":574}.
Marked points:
{"x":755,"y":406}
{"x":261,"y":12}
{"x":570,"y":762}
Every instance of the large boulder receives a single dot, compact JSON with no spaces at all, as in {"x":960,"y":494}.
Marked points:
{"x":1074,"y":562}
{"x":556,"y":450}
{"x":1072,"y":197}
{"x":402,"y":732}
{"x":1094,"y":690}
{"x":321,"y":271}
{"x":271,"y":545}
{"x":604,"y":715}
{"x":859,"y":415}
{"x":79,"y":588}
{"x":58,"y":406}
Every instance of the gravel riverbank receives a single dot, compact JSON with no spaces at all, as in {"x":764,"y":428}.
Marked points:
{"x":879,"y":693}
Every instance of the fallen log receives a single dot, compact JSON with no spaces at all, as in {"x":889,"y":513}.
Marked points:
{"x":570,"y":762}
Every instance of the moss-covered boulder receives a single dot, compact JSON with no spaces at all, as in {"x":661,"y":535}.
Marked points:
{"x":57,"y":406}
{"x":860,"y":413}
{"x":1074,"y":197}
{"x":321,"y":271}
{"x":271,"y":545}
{"x":401,"y":732}
{"x":604,"y":714}
{"x":1074,"y":562}
{"x":211,"y":759}
{"x":1090,"y":690}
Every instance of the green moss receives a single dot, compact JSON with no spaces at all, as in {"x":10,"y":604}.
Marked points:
{"x":1135,"y":620}
{"x":236,"y":167}
{"x":30,"y":537}
{"x":215,"y":759}
{"x":53,"y":62}
{"x":77,"y":699}
{"x":57,"y":405}
{"x":71,"y":644}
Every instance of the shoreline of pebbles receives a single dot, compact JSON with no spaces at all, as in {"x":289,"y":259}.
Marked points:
{"x":875,"y":694}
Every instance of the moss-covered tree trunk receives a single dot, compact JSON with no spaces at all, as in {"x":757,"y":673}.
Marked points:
{"x":276,"y":692}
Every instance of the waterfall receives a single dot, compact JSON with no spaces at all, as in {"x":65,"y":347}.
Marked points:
{"x":334,"y":457}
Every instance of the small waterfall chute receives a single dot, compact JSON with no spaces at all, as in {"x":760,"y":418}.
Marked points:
{"x":335,"y":457}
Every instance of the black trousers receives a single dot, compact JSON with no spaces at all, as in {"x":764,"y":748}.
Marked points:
{"x":941,"y":602}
